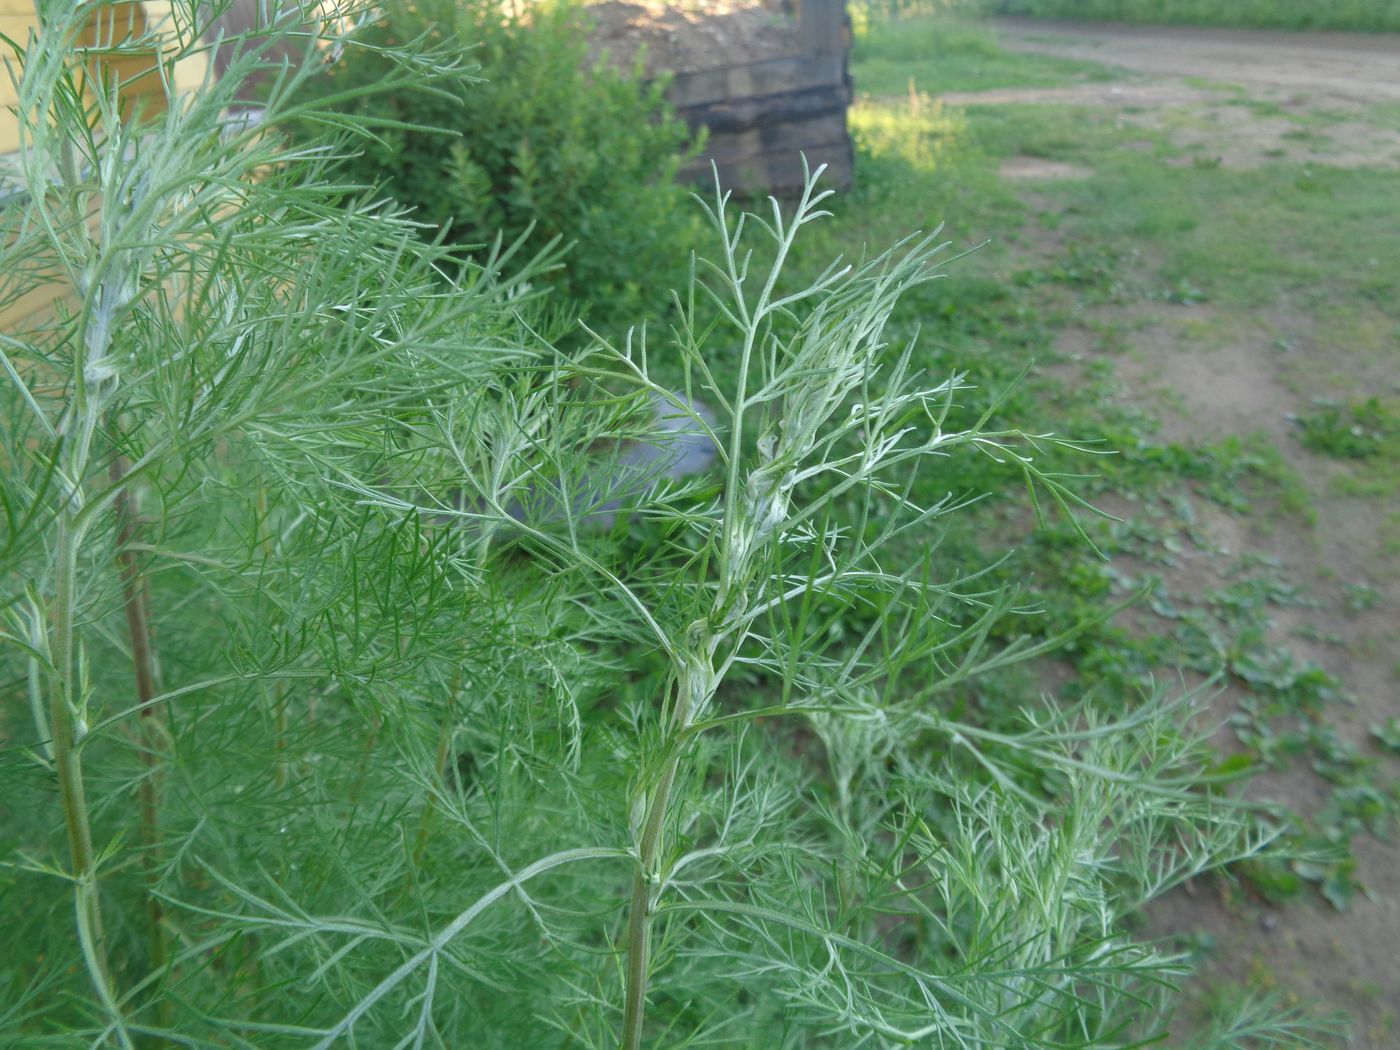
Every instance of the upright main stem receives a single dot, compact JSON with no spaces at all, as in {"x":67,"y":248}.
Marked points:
{"x":641,"y":909}
{"x":68,"y":694}
{"x":65,"y":705}
{"x":61,"y":718}
{"x":694,"y":688}
{"x":697,"y":678}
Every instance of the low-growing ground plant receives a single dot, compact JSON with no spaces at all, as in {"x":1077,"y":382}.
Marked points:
{"x":331,"y":721}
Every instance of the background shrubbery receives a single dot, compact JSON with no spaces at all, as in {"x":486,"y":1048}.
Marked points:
{"x":532,"y":140}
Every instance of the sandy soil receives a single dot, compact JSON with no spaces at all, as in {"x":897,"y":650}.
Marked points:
{"x":1233,"y":97}
{"x":1239,"y":99}
{"x":1326,"y":68}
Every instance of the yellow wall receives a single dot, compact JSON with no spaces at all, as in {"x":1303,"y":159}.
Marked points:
{"x":139,"y":82}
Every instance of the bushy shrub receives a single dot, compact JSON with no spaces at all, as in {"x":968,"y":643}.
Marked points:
{"x":528,"y":138}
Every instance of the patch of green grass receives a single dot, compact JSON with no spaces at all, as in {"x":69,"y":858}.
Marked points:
{"x":919,"y":132}
{"x":1389,"y":530}
{"x":937,"y":54}
{"x":1200,"y":221}
{"x":1363,"y":430}
{"x":1387,"y":734}
{"x":1383,"y":113}
{"x":1247,"y":237}
{"x":1066,"y":133}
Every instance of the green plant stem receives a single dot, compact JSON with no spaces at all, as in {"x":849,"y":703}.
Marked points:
{"x":64,"y":705}
{"x":695,"y":684}
{"x":68,"y":696}
{"x":69,"y":766}
{"x":642,"y":907}
{"x":281,"y":773}
{"x":136,"y":601}
{"x":425,"y":819}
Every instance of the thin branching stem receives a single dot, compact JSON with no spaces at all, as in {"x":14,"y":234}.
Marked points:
{"x":136,"y":604}
{"x":641,"y":907}
{"x":68,"y":724}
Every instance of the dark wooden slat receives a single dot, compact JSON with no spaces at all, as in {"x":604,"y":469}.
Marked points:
{"x":763,"y":117}
{"x":821,"y":130}
{"x":741,"y":114}
{"x":779,"y":175}
{"x":770,"y":77}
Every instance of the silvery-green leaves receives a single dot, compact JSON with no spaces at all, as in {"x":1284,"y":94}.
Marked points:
{"x":506,"y":696}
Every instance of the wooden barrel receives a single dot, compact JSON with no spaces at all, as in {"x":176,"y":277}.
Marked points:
{"x":763,"y":117}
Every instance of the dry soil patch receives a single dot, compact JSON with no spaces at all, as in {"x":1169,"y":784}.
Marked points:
{"x":1202,"y":389}
{"x":1346,"y":68}
{"x":1039,"y":168}
{"x":1233,"y":97}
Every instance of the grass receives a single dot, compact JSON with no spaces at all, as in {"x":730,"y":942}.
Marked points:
{"x":1247,"y":236}
{"x":951,"y":54}
{"x":1363,"y":430}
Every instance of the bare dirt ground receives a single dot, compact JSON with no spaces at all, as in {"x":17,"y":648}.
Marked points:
{"x":1358,"y":68}
{"x":1238,"y":97}
{"x":1242,"y":99}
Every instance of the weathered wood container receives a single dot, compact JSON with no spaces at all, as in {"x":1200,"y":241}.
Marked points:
{"x":764,"y":116}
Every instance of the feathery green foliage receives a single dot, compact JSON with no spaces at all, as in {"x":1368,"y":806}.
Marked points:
{"x":318,"y":739}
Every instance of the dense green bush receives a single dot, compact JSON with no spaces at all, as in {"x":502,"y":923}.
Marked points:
{"x":528,"y":138}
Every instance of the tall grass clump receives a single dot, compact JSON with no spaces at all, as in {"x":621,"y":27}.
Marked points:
{"x":334,"y":718}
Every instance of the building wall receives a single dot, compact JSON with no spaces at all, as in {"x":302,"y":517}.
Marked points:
{"x":139,"y":83}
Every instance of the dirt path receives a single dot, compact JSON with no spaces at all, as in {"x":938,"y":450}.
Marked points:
{"x":1241,"y":100}
{"x":1235,"y":97}
{"x":1351,"y":68}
